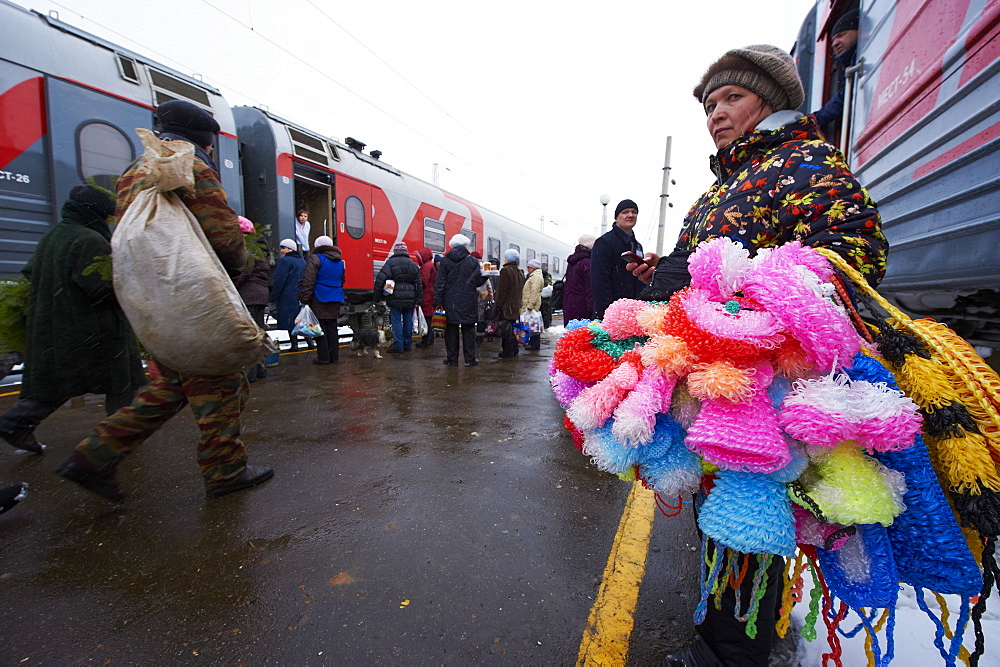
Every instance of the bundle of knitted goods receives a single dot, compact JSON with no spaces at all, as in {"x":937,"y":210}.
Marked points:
{"x":754,"y":389}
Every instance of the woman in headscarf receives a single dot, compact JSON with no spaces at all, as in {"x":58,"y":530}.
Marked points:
{"x":777,"y":180}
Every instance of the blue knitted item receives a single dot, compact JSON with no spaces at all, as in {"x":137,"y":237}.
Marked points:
{"x":862,"y":573}
{"x":928,"y":546}
{"x":750,"y":513}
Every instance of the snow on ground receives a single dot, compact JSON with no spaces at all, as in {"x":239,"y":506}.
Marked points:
{"x":913,"y":637}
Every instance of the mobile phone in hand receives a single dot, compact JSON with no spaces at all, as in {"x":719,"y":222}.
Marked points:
{"x":630,"y":256}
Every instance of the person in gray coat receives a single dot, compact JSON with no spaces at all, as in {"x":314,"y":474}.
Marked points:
{"x":406,"y":292}
{"x":459,"y":274}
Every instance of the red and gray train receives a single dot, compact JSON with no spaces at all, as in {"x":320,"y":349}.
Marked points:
{"x":69,"y":104}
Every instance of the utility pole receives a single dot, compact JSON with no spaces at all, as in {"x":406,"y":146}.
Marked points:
{"x":663,"y":199}
{"x":604,"y":213}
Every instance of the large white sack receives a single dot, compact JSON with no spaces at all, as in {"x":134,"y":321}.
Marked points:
{"x":170,"y":283}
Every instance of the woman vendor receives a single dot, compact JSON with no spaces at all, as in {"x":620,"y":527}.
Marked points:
{"x":777,"y":180}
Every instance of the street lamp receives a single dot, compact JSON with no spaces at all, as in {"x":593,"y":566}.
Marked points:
{"x":604,"y":215}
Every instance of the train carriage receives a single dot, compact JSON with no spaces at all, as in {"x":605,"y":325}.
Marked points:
{"x":365,"y":204}
{"x":923,"y":137}
{"x":69,"y":106}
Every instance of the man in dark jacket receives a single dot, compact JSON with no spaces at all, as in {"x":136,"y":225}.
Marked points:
{"x":459,"y":274}
{"x":510,"y":283}
{"x":844,"y":42}
{"x":78,"y":340}
{"x":609,"y":281}
{"x":405,"y":294}
{"x":217,"y":401}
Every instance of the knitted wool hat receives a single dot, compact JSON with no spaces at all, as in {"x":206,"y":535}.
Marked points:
{"x":287,"y":243}
{"x":476,"y":254}
{"x":762,"y":69}
{"x":587,"y":240}
{"x":459,"y":240}
{"x":97,"y":202}
{"x":322,"y":241}
{"x":534,"y":264}
{"x":187,"y":120}
{"x":512,"y":255}
{"x":849,"y":21}
{"x":400,"y":247}
{"x":246,"y":225}
{"x":624,"y":204}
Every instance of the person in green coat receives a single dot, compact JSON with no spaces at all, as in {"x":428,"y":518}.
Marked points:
{"x":79,"y":341}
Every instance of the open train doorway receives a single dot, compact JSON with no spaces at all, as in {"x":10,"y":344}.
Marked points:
{"x":314,"y":194}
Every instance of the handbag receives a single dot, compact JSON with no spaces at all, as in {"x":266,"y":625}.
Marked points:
{"x":491,"y":328}
{"x":439,"y":321}
{"x":307,"y":324}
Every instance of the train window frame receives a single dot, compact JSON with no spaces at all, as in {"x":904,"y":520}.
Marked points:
{"x":82,"y":151}
{"x":126,"y":63}
{"x":436,"y":229}
{"x":307,"y":146}
{"x":180,"y":90}
{"x":544,"y":259}
{"x":350,"y":216}
{"x":473,"y":239}
{"x":530,"y":255}
{"x":493,"y":249}
{"x":555,"y":265}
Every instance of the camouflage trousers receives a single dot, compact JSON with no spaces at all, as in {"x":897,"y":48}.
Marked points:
{"x":217,"y":402}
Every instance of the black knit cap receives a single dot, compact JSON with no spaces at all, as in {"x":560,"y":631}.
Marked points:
{"x":188,"y":120}
{"x":93,"y":200}
{"x":849,"y":21}
{"x":624,"y":204}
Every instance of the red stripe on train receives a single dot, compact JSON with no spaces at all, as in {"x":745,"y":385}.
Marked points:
{"x":22,"y":118}
{"x":966,"y":146}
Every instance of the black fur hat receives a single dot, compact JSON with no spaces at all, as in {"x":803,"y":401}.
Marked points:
{"x":188,"y":120}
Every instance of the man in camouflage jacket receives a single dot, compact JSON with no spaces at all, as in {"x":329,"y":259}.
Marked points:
{"x":217,"y":401}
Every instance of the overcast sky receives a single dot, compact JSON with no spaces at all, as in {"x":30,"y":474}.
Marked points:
{"x":531,"y":108}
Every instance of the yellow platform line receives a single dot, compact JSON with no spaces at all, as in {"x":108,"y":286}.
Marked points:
{"x":609,"y":628}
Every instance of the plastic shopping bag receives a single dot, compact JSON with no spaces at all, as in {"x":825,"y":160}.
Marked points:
{"x":522,"y":333}
{"x":187,"y":313}
{"x":306,"y":324}
{"x":533,"y":320}
{"x":419,"y":322}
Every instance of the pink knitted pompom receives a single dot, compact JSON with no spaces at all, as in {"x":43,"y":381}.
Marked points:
{"x":620,"y":319}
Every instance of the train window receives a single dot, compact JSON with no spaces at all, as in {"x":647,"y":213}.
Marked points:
{"x":308,"y":147}
{"x":516,"y":248}
{"x":168,"y":88}
{"x":354,"y":217}
{"x":472,"y":237}
{"x":103,"y":152}
{"x":545,"y":261}
{"x":493,"y":249}
{"x":334,"y":153}
{"x":555,"y":265}
{"x":530,"y":256}
{"x":127,"y":68}
{"x":434,"y":235}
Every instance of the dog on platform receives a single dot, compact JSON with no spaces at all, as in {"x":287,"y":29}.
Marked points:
{"x":369,"y":340}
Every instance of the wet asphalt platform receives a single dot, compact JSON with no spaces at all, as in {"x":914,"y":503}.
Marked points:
{"x":420,"y":514}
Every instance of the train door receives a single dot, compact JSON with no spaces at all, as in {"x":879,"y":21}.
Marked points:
{"x":314,"y":194}
{"x":92,"y":136}
{"x":354,"y":231}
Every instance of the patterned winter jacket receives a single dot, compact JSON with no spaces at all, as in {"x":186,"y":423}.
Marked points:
{"x":207,"y":202}
{"x":786,"y":184}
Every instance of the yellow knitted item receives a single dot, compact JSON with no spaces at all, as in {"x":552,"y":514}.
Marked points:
{"x":954,"y":374}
